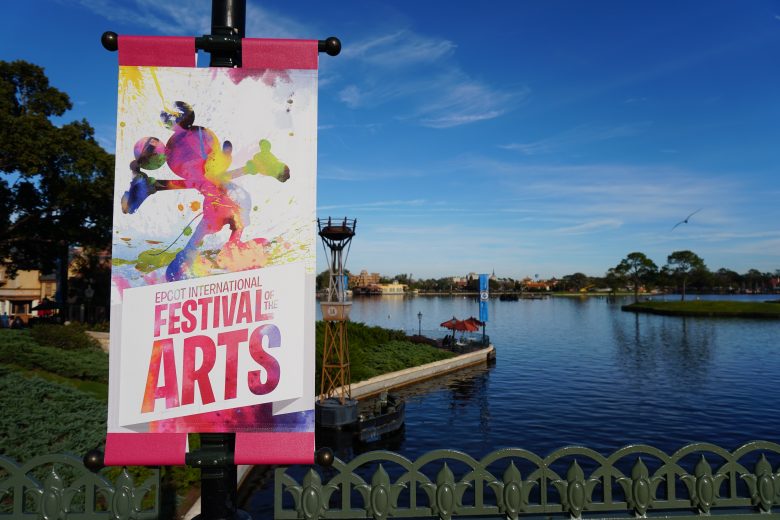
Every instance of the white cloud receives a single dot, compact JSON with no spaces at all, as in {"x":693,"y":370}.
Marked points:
{"x":400,"y":49}
{"x":380,"y":204}
{"x":578,"y":136}
{"x":465,"y":101}
{"x":191,"y":18}
{"x":263,"y":23}
{"x":592,"y":226}
{"x":419,"y":74}
{"x":457,"y":119}
{"x":351,"y":96}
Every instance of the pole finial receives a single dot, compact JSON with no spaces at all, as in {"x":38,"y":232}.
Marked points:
{"x":330,"y":45}
{"x":110,"y":41}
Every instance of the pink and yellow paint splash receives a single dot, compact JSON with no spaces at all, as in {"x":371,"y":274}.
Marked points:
{"x":201,"y":162}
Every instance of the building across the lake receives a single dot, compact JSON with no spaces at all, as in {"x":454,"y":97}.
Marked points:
{"x":383,"y":289}
{"x":364,"y":279}
{"x":538,"y":285}
{"x":391,"y":288}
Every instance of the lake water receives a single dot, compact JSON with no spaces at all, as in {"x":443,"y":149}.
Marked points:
{"x":579,"y":371}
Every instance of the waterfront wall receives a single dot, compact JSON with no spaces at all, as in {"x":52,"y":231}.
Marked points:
{"x":101,"y":337}
{"x":379,"y":384}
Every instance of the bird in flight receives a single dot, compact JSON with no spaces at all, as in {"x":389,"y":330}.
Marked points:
{"x":685,"y":220}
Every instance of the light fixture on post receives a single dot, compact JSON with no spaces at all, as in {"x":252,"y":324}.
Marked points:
{"x":335,"y":406}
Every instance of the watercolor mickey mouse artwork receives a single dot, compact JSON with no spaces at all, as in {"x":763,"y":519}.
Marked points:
{"x":195,"y":154}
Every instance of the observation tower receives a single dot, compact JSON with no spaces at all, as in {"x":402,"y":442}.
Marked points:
{"x":335,"y":407}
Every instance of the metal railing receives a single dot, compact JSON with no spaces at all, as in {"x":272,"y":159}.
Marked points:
{"x":443,"y":338}
{"x":636,"y":481}
{"x":61,"y":487}
{"x":633,"y":482}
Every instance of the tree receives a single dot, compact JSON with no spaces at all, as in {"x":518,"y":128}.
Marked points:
{"x":683,"y":264}
{"x":754,"y":280}
{"x":727,"y":280}
{"x":613,"y":279}
{"x":323,"y":280}
{"x":575,"y":282}
{"x":63,"y":179}
{"x":637,"y":268}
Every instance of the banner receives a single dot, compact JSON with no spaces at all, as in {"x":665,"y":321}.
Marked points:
{"x":484,"y":295}
{"x":212,"y":305}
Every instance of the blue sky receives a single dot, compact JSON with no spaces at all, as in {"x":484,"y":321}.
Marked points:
{"x":522,"y":137}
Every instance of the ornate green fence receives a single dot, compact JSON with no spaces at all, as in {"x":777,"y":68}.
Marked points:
{"x":59,"y":487}
{"x":635,"y":481}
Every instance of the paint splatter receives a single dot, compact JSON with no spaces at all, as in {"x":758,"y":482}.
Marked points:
{"x":268,"y":76}
{"x":266,"y":163}
{"x":120,"y":283}
{"x":130,"y":78}
{"x":153,"y":259}
{"x":258,"y":417}
{"x":196,"y":156}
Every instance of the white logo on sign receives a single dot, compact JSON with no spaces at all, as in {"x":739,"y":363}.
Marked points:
{"x":483,"y":295}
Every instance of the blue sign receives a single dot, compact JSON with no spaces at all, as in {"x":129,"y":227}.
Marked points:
{"x":484,"y":294}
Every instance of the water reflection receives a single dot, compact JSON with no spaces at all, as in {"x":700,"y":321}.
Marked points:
{"x":581,"y":371}
{"x":472,"y":392}
{"x":346,"y":445}
{"x":676,"y":350}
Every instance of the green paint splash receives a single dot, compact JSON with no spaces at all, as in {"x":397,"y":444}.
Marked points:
{"x":153,"y":259}
{"x":264,"y":162}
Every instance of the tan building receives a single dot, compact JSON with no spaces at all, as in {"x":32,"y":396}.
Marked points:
{"x":391,"y":288}
{"x":19,"y":295}
{"x":363,"y":279}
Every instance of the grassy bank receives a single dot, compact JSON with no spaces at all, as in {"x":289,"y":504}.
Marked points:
{"x":713,"y":309}
{"x":54,"y":382}
{"x":374,"y":351}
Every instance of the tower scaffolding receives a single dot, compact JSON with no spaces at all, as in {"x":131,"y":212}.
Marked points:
{"x":335,"y":377}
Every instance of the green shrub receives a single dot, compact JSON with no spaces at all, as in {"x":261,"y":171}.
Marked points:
{"x":67,"y":337}
{"x":46,"y":417}
{"x":101,"y":326}
{"x":19,"y":349}
{"x":41,"y":417}
{"x":392,"y":356}
{"x":374,"y":351}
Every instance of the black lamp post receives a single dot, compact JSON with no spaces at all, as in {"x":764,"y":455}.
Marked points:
{"x":419,"y":323}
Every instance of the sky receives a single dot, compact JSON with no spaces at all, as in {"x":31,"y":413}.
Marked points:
{"x":522,"y":138}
